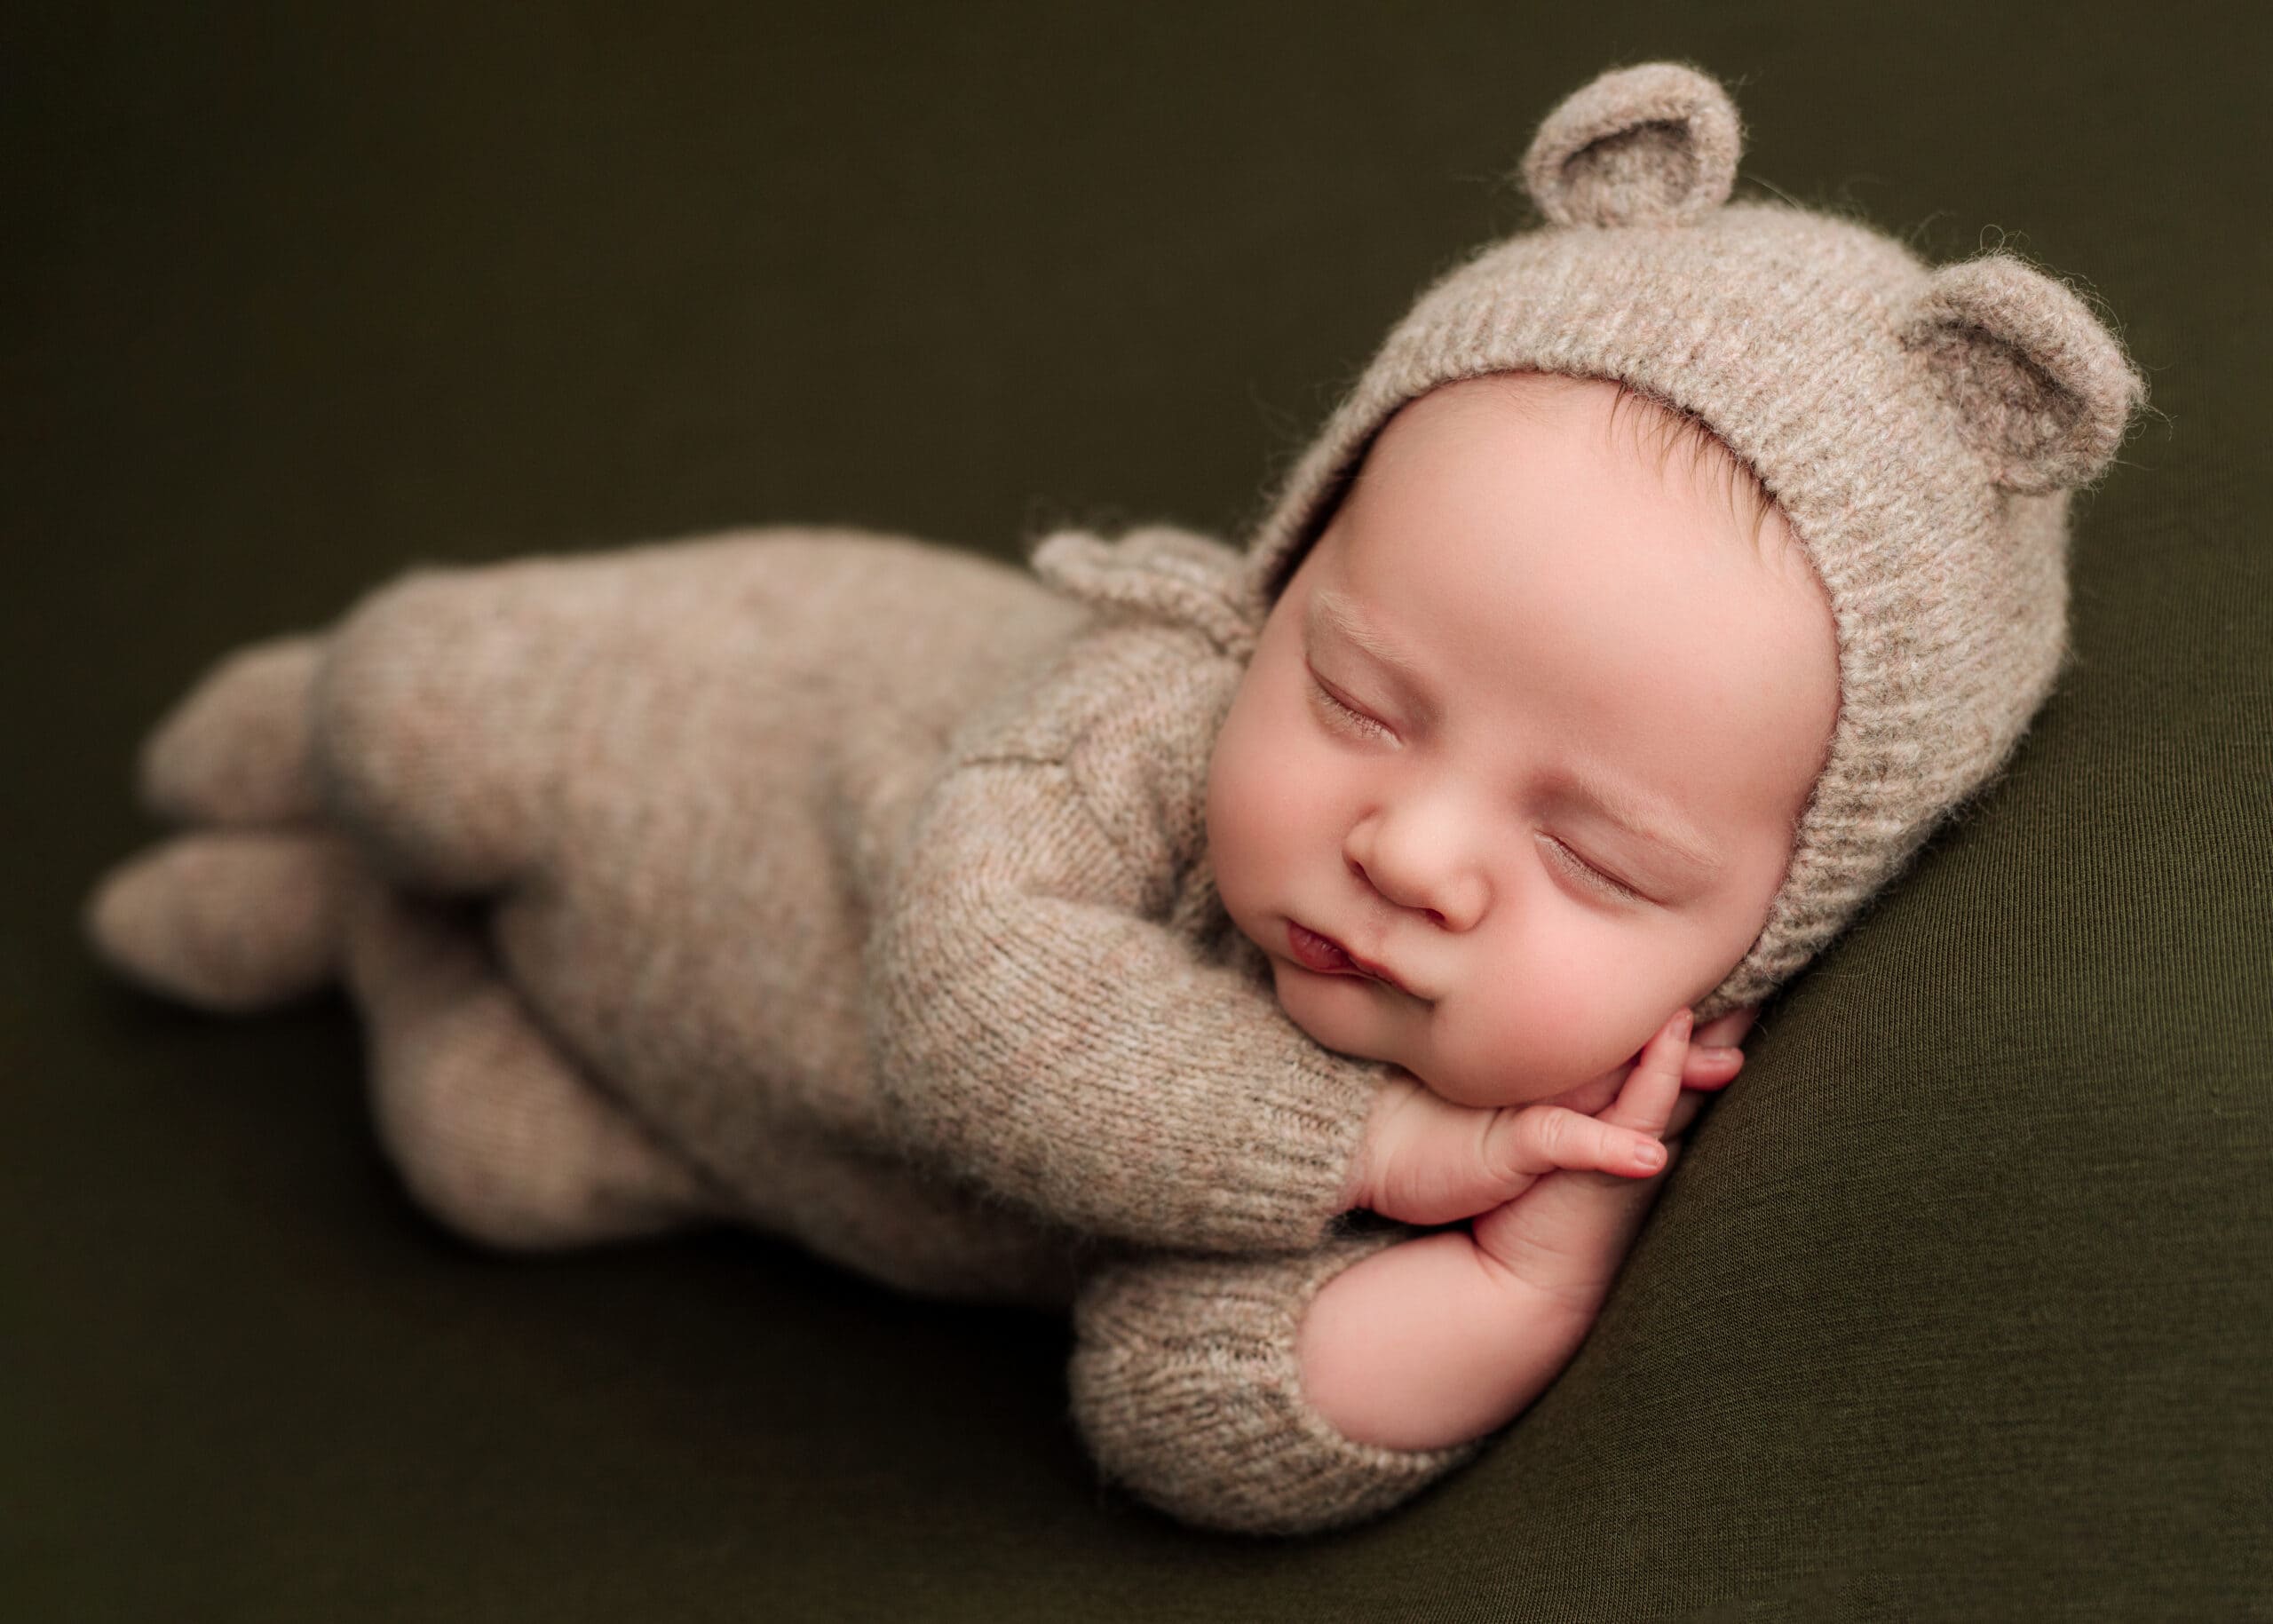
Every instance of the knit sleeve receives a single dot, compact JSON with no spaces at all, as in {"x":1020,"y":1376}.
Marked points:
{"x":1187,"y":1389}
{"x":1040,"y":1027}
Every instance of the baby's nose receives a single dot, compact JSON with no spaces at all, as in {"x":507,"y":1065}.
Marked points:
{"x":1396,"y":894}
{"x":1447,"y":898}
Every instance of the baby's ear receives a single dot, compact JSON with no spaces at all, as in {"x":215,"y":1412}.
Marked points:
{"x":2045,"y":392}
{"x":1650,"y":146}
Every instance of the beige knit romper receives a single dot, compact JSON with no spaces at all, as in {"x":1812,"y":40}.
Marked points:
{"x":834,"y":884}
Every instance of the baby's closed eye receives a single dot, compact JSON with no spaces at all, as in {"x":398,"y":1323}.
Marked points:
{"x":1588,"y":874}
{"x":1344,"y":714}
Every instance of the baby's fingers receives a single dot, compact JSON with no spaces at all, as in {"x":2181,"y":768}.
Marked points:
{"x":1714,"y":1053}
{"x":1542,"y":1139}
{"x":1685,"y":1112}
{"x":1714,"y":1068}
{"x":1728,"y":1030}
{"x":1646,"y":1102}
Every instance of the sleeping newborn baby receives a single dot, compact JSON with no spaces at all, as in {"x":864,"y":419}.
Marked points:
{"x":1286,"y":958}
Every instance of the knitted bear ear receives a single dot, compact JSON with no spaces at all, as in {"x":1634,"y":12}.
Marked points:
{"x":1649,"y":146}
{"x":2045,"y":392}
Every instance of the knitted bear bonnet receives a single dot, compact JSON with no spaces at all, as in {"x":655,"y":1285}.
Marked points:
{"x":1920,"y":429}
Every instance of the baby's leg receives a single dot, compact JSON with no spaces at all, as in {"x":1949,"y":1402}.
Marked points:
{"x":434,"y":733}
{"x":495,"y":1132}
{"x":1186,"y":1386}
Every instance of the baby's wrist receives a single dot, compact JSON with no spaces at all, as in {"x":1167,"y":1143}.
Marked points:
{"x":1360,"y":1183}
{"x":1423,"y":1345}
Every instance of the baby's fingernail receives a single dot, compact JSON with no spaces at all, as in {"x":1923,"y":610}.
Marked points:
{"x":1652,"y":1156}
{"x":1681,"y":1023}
{"x":1721,"y":1055}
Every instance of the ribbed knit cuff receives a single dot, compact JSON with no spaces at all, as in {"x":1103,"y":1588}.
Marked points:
{"x":1186,"y":1386}
{"x":1296,"y":1148}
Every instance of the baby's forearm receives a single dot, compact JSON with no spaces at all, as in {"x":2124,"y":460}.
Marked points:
{"x":1430,"y":1343}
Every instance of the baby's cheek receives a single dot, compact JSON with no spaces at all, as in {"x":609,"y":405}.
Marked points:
{"x":1484,"y":1051}
{"x":1551,"y":1036}
{"x":1244,"y":808}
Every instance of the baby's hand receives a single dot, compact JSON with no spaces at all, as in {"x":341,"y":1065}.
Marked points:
{"x":1566,"y":1235}
{"x":1424,"y":1160}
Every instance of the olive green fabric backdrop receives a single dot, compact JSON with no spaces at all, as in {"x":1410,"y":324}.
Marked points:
{"x":1959,"y":1307}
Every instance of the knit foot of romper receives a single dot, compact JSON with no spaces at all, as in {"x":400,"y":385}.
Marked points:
{"x":265,"y":901}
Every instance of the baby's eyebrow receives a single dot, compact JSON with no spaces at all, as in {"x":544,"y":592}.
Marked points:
{"x":1338,"y":613}
{"x":1648,"y":817}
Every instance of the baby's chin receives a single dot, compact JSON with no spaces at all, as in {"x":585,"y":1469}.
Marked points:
{"x":1511,"y":1089}
{"x":1589,"y":1098}
{"x":1326,"y":1015}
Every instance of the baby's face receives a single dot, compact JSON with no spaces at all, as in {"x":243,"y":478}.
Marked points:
{"x":1528,"y":733}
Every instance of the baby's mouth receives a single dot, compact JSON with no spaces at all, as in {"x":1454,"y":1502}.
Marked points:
{"x":1322,"y":954}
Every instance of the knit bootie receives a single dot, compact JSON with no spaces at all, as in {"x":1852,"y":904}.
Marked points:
{"x":242,"y":913}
